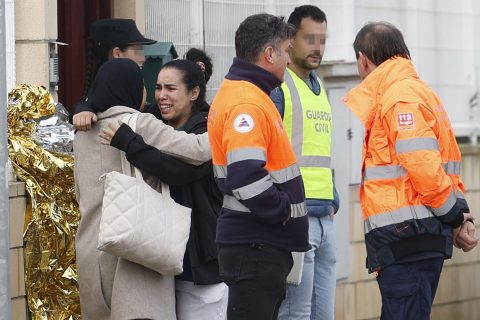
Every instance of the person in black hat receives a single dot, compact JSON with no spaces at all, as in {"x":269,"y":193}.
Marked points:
{"x":113,"y":38}
{"x":108,"y":39}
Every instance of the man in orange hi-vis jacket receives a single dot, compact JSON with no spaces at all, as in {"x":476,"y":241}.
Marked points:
{"x":411,"y":193}
{"x":263,"y":218}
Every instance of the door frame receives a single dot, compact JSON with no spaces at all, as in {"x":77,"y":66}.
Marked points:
{"x":74,"y":20}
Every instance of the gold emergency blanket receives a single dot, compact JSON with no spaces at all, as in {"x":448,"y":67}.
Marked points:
{"x":52,"y":216}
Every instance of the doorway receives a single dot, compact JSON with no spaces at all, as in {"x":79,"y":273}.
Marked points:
{"x":74,"y":19}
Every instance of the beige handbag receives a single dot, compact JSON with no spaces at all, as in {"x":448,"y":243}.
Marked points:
{"x":140,"y":224}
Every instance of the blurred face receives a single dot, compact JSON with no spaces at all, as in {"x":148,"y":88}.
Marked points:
{"x":134,"y":53}
{"x":281,"y":59}
{"x":308,"y":45}
{"x":173,"y":98}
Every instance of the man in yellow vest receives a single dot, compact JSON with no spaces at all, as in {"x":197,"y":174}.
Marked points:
{"x":302,"y":102}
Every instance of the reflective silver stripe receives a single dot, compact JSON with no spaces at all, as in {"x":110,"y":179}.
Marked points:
{"x":246,"y":154}
{"x":253,"y":189}
{"x":447,"y":206}
{"x":452,"y":167}
{"x":220,"y":171}
{"x":298,"y":210}
{"x":396,"y":216}
{"x":284,"y":175}
{"x":314,"y":161}
{"x":460,"y":195}
{"x":297,"y":129}
{"x":232,"y":203}
{"x":297,"y":115}
{"x":397,"y":171}
{"x":416,"y":144}
{"x":384,"y":172}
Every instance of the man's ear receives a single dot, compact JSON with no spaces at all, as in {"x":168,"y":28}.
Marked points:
{"x":366,"y":63}
{"x":363,"y":60}
{"x":268,"y":54}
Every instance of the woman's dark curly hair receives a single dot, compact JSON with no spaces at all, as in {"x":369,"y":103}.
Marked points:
{"x":197,"y":55}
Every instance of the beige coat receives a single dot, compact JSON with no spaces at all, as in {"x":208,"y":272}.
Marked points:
{"x":111,"y":287}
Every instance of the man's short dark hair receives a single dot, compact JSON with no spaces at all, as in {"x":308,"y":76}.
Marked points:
{"x":306,"y":11}
{"x":380,"y":41}
{"x":257,"y":32}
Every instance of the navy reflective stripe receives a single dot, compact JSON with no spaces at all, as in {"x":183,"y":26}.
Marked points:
{"x":452,"y":167}
{"x":396,"y":216}
{"x":297,"y":130}
{"x":232,"y":203}
{"x":220,"y":171}
{"x":298,"y":210}
{"x":384,"y":172}
{"x":416,"y":144}
{"x":447,"y":206}
{"x":253,"y":189}
{"x":278,"y":176}
{"x":284,"y":175}
{"x":246,"y":154}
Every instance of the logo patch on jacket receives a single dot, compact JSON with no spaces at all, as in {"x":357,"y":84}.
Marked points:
{"x":243,"y":123}
{"x":405,"y":121}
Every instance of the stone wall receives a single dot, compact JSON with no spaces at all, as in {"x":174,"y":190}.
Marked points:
{"x":17,"y":203}
{"x":458,"y":295}
{"x":35,"y":28}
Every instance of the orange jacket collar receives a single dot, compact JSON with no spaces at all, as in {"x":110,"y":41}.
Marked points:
{"x":365,"y":98}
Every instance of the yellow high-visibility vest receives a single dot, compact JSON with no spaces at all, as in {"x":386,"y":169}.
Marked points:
{"x":308,"y":122}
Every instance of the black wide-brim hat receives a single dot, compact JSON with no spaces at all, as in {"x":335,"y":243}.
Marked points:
{"x":117,"y":32}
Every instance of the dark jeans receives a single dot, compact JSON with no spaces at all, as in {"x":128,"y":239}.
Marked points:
{"x":256,"y":278}
{"x":408,"y":289}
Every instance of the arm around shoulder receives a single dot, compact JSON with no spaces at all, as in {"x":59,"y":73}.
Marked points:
{"x":191,"y":148}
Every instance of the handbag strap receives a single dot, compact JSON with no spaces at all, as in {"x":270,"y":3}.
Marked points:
{"x":127,"y":168}
{"x":131,"y":121}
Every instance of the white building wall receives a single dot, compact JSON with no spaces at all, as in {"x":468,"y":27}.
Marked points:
{"x":440,"y":36}
{"x":475,"y":104}
{"x":439,"y":33}
{"x":10,"y":42}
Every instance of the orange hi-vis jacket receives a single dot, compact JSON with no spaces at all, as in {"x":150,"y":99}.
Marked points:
{"x":411,"y":193}
{"x":254,"y":164}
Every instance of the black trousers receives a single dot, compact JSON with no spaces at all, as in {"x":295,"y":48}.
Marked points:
{"x":408,"y":289}
{"x":256,"y":278}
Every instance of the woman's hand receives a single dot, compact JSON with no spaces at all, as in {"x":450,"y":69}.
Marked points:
{"x":107,"y":133}
{"x":84,"y":120}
